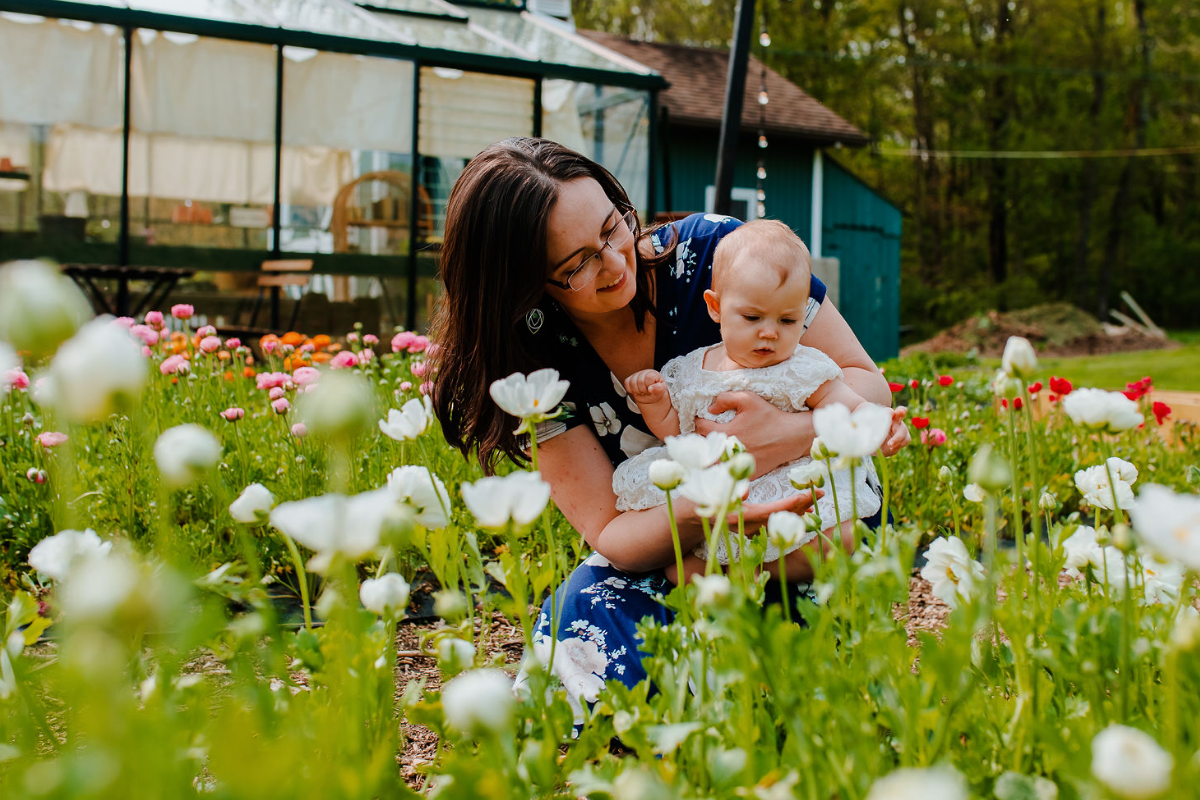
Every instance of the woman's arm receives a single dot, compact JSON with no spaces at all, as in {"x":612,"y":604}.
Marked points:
{"x":580,"y":478}
{"x":830,"y":334}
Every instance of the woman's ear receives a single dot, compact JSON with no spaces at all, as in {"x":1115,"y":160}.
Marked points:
{"x":713,"y":301}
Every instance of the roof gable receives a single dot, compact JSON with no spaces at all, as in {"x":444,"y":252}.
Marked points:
{"x":697,"y":77}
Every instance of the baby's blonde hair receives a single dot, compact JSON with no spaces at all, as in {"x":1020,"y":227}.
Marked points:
{"x":769,"y":243}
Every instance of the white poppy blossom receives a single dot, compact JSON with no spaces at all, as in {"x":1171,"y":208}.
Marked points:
{"x":425,"y":492}
{"x":1169,"y":523}
{"x":338,"y":406}
{"x":711,"y":590}
{"x":520,"y":497}
{"x":455,"y":653}
{"x":712,"y":489}
{"x":1082,"y":548}
{"x":1131,"y":763}
{"x":333,"y":524}
{"x":915,"y":783}
{"x":954,"y":574}
{"x":814,"y":473}
{"x":479,"y":700}
{"x":186,"y":452}
{"x":1093,"y":483}
{"x":787,"y":530}
{"x":40,"y":307}
{"x":55,"y":555}
{"x":533,"y":398}
{"x":667,"y":474}
{"x":973,"y":492}
{"x":98,"y":587}
{"x":93,"y":371}
{"x":1099,"y":410}
{"x":1019,"y":359}
{"x":696,"y":452}
{"x":386,"y":595}
{"x":852,"y":434}
{"x":410,"y":421}
{"x":253,"y":505}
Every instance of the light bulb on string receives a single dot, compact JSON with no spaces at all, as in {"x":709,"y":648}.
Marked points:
{"x":762,"y":172}
{"x":762,"y":96}
{"x":764,"y":38}
{"x":762,"y":140}
{"x":762,"y":195}
{"x":762,"y":210}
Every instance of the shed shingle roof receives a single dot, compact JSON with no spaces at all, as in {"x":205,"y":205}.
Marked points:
{"x":696,"y":95}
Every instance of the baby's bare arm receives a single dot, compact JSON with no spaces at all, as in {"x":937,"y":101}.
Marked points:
{"x":648,"y":388}
{"x":836,"y":391}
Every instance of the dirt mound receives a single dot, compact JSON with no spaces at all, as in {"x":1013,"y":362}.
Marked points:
{"x":1054,"y":329}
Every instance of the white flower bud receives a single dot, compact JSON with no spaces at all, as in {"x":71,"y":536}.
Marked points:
{"x":989,"y":469}
{"x":479,"y":700}
{"x":667,"y":474}
{"x":741,"y":466}
{"x":1019,"y":359}
{"x":945,"y":474}
{"x":1047,"y":502}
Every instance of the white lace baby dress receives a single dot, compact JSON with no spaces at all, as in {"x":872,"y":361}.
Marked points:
{"x":786,"y":385}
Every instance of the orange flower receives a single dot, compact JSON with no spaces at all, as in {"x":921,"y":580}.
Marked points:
{"x":249,"y":372}
{"x":321,"y":358}
{"x":223,"y":355}
{"x":270,"y":337}
{"x":321,"y":341}
{"x":287,"y":364}
{"x":229,"y":376}
{"x":292,"y":338}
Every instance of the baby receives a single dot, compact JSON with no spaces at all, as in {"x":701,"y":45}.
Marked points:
{"x":761,"y":274}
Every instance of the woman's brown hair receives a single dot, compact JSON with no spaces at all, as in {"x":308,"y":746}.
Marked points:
{"x":494,"y":273}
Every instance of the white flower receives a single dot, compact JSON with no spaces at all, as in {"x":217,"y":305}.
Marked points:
{"x":1099,"y":410}
{"x":410,"y":421}
{"x":425,"y":492}
{"x":1162,"y":580}
{"x":186,"y":452}
{"x":454,"y":653}
{"x":973,"y":492}
{"x":952,"y":571}
{"x":338,"y":406}
{"x":385,"y":596}
{"x":855,"y":434}
{"x":787,"y":530}
{"x":333,"y":524}
{"x":252,"y":505}
{"x":667,"y":474}
{"x":533,"y":398}
{"x":1169,"y":523}
{"x":711,"y":589}
{"x":914,"y":783}
{"x":696,"y":452}
{"x":8,"y":361}
{"x":814,"y":473}
{"x":479,"y":700}
{"x":97,"y":587}
{"x":520,"y":497}
{"x":1019,"y":359}
{"x":1003,"y":385}
{"x":1130,"y":763}
{"x":1094,"y":485}
{"x":1082,"y":549}
{"x":55,"y":555}
{"x":40,"y":307}
{"x":712,"y":489}
{"x":97,"y":368}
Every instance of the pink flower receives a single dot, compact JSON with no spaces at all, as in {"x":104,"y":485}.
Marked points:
{"x":210,"y":344}
{"x":427,"y":387}
{"x":36,"y":475}
{"x":402,"y":340}
{"x":308,"y":347}
{"x":16,"y":378}
{"x":233,"y":343}
{"x":269,"y":346}
{"x":50,"y":439}
{"x":146,"y":352}
{"x":154,"y":319}
{"x":366,"y":355}
{"x":305,"y":376}
{"x":418,"y":344}
{"x":269,"y":380}
{"x":405,"y":385}
{"x":287,"y":348}
{"x":418,"y":369}
{"x":370,"y":340}
{"x":207,"y":330}
{"x":351,"y":337}
{"x":281,"y":405}
{"x":124,"y":322}
{"x":934,"y":437}
{"x":344,"y":359}
{"x":233,"y":413}
{"x":148,"y":335}
{"x":173,"y":364}
{"x":299,"y":431}
{"x":182,"y":311}
{"x":276,"y":392}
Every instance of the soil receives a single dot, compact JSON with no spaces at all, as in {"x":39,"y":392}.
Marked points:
{"x":1054,"y":329}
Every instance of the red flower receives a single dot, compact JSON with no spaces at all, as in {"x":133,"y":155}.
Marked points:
{"x":1004,"y":402}
{"x":920,"y":422}
{"x":1035,"y":387}
{"x":896,"y":387}
{"x":1139,"y":389}
{"x":1132,"y":394}
{"x":914,"y":383}
{"x":1018,"y":403}
{"x":1060,"y":386}
{"x":945,"y":380}
{"x":1161,"y":411}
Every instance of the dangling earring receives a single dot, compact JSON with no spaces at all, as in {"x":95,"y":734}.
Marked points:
{"x":534,"y":320}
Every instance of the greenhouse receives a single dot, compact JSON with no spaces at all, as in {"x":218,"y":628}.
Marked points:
{"x":164,"y":134}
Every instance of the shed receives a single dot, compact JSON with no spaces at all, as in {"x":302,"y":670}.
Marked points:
{"x":852,"y":230}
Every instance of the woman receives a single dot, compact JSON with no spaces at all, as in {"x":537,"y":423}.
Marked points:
{"x":544,"y":265}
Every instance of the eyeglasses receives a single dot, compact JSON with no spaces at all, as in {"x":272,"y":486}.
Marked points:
{"x":587,"y":270}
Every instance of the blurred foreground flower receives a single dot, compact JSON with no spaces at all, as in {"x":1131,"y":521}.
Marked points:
{"x":1130,"y":763}
{"x":1169,"y":523}
{"x":913,"y":783}
{"x":1019,"y":359}
{"x":386,"y":596}
{"x":339,"y":406}
{"x":55,"y":555}
{"x":954,"y":574}
{"x":787,"y":530}
{"x":713,"y":489}
{"x":695,"y":452}
{"x":98,"y":369}
{"x":1093,"y":483}
{"x":852,"y":434}
{"x":413,"y":419}
{"x":1098,"y":410}
{"x":712,"y":590}
{"x":479,"y":701}
{"x":185,"y":453}
{"x":335,"y":525}
{"x":40,"y":308}
{"x":424,"y":492}
{"x":667,"y":474}
{"x":519,"y":497}
{"x":253,"y":505}
{"x":1082,"y":548}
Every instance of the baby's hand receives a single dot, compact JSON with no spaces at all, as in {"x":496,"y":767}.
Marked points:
{"x":898,"y":437}
{"x":647,"y":386}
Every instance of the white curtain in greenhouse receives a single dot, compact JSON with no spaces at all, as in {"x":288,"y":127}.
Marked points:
{"x":54,"y":73}
{"x":464,"y":112}
{"x":560,"y":114}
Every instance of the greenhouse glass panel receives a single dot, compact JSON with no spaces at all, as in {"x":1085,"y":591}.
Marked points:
{"x":331,"y":17}
{"x":224,"y":10}
{"x":546,"y":41}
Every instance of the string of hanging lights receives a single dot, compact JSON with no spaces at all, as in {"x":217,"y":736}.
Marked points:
{"x":764,"y":40}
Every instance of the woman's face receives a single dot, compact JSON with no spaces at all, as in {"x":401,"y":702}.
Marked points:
{"x":580,"y":223}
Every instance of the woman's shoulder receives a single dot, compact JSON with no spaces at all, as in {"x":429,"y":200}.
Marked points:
{"x":692,"y":227}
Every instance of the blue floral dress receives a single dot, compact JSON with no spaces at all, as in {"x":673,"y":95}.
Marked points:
{"x":599,"y":606}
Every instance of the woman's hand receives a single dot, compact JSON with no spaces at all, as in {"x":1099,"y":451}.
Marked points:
{"x":755,"y":515}
{"x":772,"y":436}
{"x":898,"y":437}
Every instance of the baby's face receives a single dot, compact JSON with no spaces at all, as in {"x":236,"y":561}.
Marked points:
{"x":761,"y":321}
